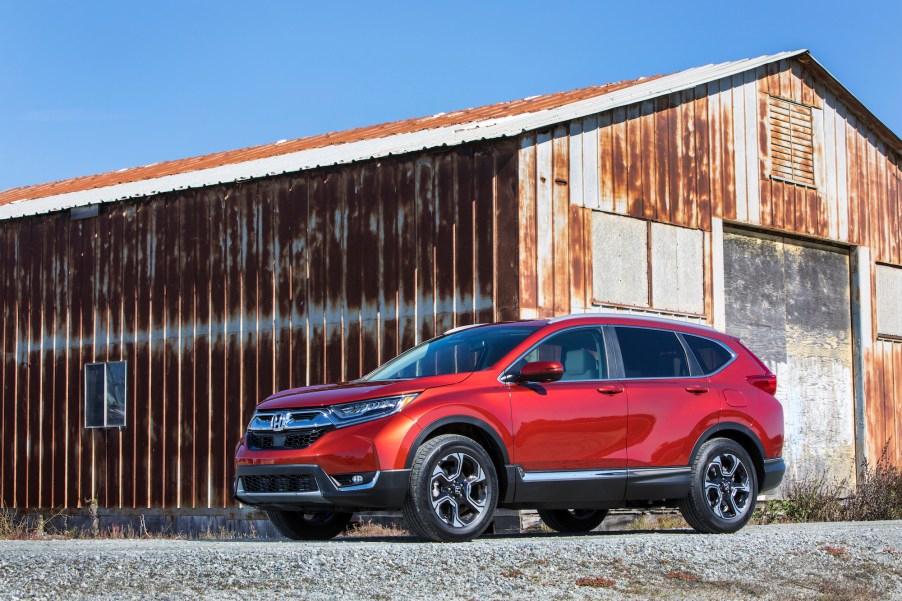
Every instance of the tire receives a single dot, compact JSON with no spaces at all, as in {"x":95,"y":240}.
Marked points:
{"x":453,"y":490}
{"x":300,"y":525}
{"x":573,"y":520}
{"x":723,"y":488}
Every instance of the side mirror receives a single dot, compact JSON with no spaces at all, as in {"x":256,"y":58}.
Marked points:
{"x":540,"y":371}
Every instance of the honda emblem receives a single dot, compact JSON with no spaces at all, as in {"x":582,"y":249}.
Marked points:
{"x":280,"y":421}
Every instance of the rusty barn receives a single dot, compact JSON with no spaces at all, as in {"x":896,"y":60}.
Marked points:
{"x":144,"y":313}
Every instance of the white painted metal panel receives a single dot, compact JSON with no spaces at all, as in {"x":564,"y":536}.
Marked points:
{"x":842,"y":183}
{"x":677,"y":267}
{"x":527,"y":209}
{"x":737,"y":100}
{"x":825,"y":172}
{"x":590,"y":162}
{"x":605,"y":147}
{"x":752,"y":122}
{"x":715,"y":125}
{"x":544,"y":218}
{"x":717,"y":274}
{"x":619,"y":259}
{"x":576,"y":163}
{"x":889,"y":300}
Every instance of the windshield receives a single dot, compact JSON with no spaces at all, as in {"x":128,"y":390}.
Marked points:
{"x":461,"y":352}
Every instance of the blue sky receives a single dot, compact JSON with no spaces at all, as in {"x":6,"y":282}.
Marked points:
{"x":88,"y":87}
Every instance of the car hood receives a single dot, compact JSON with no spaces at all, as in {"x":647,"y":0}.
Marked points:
{"x":346,"y":392}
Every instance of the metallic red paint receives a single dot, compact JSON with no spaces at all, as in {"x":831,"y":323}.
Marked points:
{"x":556,"y":425}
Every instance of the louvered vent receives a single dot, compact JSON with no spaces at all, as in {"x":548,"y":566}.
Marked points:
{"x":791,"y":142}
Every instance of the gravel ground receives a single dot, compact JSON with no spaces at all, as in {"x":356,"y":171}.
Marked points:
{"x":813,"y":561}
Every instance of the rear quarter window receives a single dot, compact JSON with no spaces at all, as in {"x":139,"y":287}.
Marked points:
{"x":711,"y":355}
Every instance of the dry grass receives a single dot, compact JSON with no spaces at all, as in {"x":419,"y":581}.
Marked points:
{"x":659,"y":521}
{"x":877,"y":496}
{"x":14,"y":526}
{"x":369,"y":529}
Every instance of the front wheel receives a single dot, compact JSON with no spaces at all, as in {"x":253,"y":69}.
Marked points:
{"x":573,"y":520}
{"x":300,"y":525}
{"x":453,"y":490}
{"x":723,"y":488}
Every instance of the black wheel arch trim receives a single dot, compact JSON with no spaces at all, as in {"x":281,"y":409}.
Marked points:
{"x":732,"y":427}
{"x":452,"y":420}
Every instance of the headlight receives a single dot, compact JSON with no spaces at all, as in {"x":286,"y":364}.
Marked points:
{"x":364,"y":411}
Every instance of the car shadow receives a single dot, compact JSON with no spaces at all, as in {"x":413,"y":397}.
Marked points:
{"x":410,"y":539}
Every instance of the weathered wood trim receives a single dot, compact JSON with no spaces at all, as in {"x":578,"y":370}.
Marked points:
{"x":718,"y":309}
{"x":862,"y":344}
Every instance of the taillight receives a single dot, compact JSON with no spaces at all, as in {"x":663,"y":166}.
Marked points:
{"x":767,"y":382}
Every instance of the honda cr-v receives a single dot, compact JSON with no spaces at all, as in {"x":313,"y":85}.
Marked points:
{"x":571,"y":416}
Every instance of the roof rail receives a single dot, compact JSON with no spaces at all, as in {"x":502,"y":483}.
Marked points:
{"x":462,"y":328}
{"x":636,"y":316}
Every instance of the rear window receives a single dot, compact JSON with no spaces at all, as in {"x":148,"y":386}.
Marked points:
{"x":711,"y":355}
{"x":651,"y":353}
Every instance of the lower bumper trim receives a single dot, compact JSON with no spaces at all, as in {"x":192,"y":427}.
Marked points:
{"x":387,"y":490}
{"x":773,"y":474}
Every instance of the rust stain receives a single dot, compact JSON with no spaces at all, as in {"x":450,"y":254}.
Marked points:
{"x":219,"y":296}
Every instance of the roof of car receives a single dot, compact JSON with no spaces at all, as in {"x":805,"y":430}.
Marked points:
{"x":638,"y":319}
{"x":621,"y":318}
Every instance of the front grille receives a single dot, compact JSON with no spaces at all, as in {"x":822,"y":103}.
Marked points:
{"x":297,"y":439}
{"x":279,"y":483}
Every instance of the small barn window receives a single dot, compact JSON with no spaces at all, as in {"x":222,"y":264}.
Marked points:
{"x":105,"y":395}
{"x":889,"y":305}
{"x":791,"y":141}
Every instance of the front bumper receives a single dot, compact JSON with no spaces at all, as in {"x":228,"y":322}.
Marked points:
{"x":773,"y":474}
{"x":386,"y":491}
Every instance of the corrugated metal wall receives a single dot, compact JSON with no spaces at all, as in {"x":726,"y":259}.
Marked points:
{"x":218,"y":297}
{"x":691,"y":156}
{"x":884,"y":417}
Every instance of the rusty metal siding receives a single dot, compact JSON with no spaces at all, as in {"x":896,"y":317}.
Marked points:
{"x":217,"y":297}
{"x":885,"y":414}
{"x":701,"y":154}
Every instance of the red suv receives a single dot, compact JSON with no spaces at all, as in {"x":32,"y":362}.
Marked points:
{"x":572,"y":416}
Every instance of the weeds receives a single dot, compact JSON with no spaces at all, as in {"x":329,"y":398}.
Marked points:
{"x":878,"y":496}
{"x":662,"y":521}
{"x":369,"y":529}
{"x":879,"y":492}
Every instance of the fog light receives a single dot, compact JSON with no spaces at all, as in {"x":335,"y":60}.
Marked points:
{"x":343,"y":480}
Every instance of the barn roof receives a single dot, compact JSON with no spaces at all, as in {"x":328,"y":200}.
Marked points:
{"x":445,"y":129}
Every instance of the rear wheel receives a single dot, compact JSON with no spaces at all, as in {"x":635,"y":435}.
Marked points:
{"x":453,"y":490}
{"x":300,"y":525}
{"x":573,"y":520}
{"x":723,"y":488}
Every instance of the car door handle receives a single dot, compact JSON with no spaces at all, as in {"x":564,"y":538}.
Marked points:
{"x":611,"y":389}
{"x":696,"y":389}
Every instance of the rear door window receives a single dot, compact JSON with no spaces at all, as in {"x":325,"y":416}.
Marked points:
{"x":651,"y":353}
{"x":711,"y":355}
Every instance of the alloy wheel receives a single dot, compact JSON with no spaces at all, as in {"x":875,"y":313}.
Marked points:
{"x":727,"y":486}
{"x":460,"y":489}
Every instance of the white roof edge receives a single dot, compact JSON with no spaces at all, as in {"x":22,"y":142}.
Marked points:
{"x":391,"y":145}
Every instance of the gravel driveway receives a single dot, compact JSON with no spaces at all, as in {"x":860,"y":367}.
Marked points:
{"x":816,"y":561}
